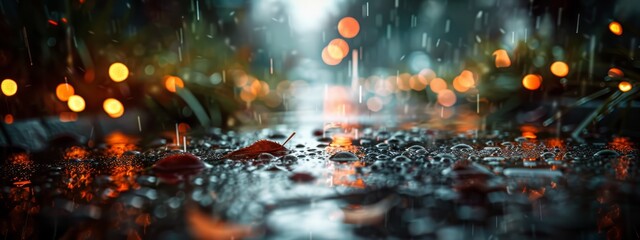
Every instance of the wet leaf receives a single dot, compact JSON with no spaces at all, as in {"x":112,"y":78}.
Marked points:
{"x":175,"y":168}
{"x":255,"y":149}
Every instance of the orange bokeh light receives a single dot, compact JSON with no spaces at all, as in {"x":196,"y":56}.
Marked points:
{"x":8,"y":119}
{"x":9,"y":87}
{"x":615,"y":28}
{"x":446,"y":98}
{"x":64,"y":91}
{"x":437,"y":84}
{"x":348,"y":27}
{"x":560,"y":69}
{"x":502,"y":58}
{"x":338,"y":48}
{"x":118,"y":72}
{"x":532,"y":81}
{"x":172,"y":83}
{"x":326,"y":58}
{"x":625,"y":86}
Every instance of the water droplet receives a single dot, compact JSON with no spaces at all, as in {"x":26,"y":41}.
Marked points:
{"x":382,"y":146}
{"x":606,"y":153}
{"x":462,"y":147}
{"x":343,"y":157}
{"x":526,"y":172}
{"x":401,"y":159}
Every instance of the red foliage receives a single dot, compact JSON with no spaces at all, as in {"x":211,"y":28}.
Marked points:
{"x":255,"y":149}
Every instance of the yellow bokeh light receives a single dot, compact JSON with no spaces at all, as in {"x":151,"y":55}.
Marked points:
{"x":615,"y":28}
{"x":437,"y":84}
{"x":560,"y":69}
{"x":64,"y":91}
{"x":338,"y":48}
{"x":76,"y":103}
{"x":532,"y":81}
{"x":113,"y":107}
{"x":118,"y":72}
{"x":348,"y":27}
{"x":9,"y":87}
{"x":327,"y":59}
{"x":502,"y":58}
{"x":172,"y":83}
{"x":624,"y":86}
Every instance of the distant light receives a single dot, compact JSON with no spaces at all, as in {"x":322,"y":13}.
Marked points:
{"x":9,"y":87}
{"x":418,"y":82}
{"x":403,"y":82}
{"x":113,"y":107}
{"x":532,"y":81}
{"x":327,"y":59}
{"x":76,"y":103}
{"x":560,"y":69}
{"x":338,"y":48}
{"x":625,"y":86}
{"x":446,"y":98}
{"x":171,"y":83}
{"x":183,"y":127}
{"x":118,"y":72}
{"x":502,"y":58}
{"x":348,"y":27}
{"x":8,"y":119}
{"x":64,"y":91}
{"x":437,"y":85}
{"x":615,"y":73}
{"x":464,"y":81}
{"x":615,"y":28}
{"x":374,"y":104}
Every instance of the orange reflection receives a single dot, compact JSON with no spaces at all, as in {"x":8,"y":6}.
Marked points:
{"x":9,"y":87}
{"x":68,"y":116}
{"x":502,"y":58}
{"x":624,"y":86}
{"x":437,"y":84}
{"x":8,"y":118}
{"x":615,"y":73}
{"x":615,"y":28}
{"x":118,"y":143}
{"x":172,"y":83}
{"x":532,"y":81}
{"x":20,"y":159}
{"x":345,"y":175}
{"x":64,"y":91}
{"x":75,"y":153}
{"x":560,"y":69}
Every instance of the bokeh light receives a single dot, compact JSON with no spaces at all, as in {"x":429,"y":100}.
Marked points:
{"x":64,"y":91}
{"x":624,"y":86}
{"x":9,"y":87}
{"x":446,"y":98}
{"x":532,"y":81}
{"x":374,"y":104}
{"x":560,"y":69}
{"x":113,"y":107}
{"x":348,"y":27}
{"x":327,"y":59}
{"x":118,"y":72}
{"x":76,"y":103}
{"x":338,"y":48}
{"x":8,"y":118}
{"x":502,"y":58}
{"x":437,"y":84}
{"x":172,"y":83}
{"x":615,"y":73}
{"x":615,"y":28}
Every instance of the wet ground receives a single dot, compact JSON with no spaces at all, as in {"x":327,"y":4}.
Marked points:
{"x":383,"y":184}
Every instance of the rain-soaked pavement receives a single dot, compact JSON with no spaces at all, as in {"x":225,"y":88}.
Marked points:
{"x":399,"y":184}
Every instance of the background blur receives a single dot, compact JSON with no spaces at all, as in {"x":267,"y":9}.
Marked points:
{"x":138,"y":66}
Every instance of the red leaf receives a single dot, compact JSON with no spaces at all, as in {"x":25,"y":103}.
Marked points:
{"x":261,"y":146}
{"x":174,"y":168}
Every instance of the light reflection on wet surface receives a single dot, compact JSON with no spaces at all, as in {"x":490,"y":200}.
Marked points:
{"x":410,"y":183}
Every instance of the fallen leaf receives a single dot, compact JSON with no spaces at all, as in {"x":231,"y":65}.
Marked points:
{"x":175,"y":168}
{"x":255,"y":149}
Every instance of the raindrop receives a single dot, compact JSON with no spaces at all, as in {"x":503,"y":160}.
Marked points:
{"x":462,"y":147}
{"x":343,"y":157}
{"x":606,"y":153}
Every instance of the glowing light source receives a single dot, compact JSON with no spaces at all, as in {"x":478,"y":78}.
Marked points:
{"x":446,"y":98}
{"x":8,"y":119}
{"x":9,"y":87}
{"x":338,"y":48}
{"x":560,"y":69}
{"x":615,"y":73}
{"x":464,"y":81}
{"x":437,"y":84}
{"x":348,"y":27}
{"x":113,"y":107}
{"x":172,"y":83}
{"x":532,"y":81}
{"x":615,"y":28}
{"x":374,"y":104}
{"x":624,"y":86}
{"x":502,"y":58}
{"x":64,"y":91}
{"x":118,"y":72}
{"x":76,"y":103}
{"x":327,"y":59}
